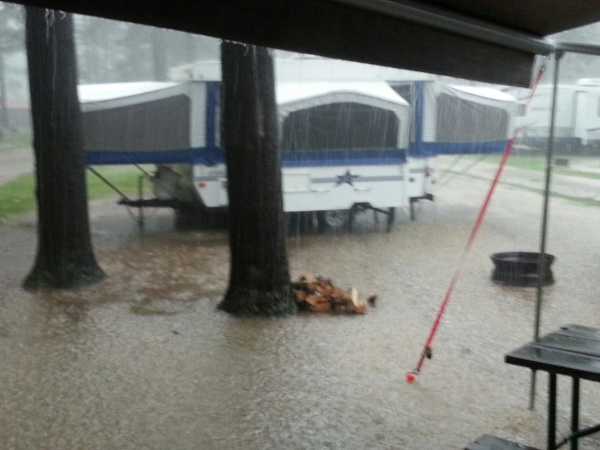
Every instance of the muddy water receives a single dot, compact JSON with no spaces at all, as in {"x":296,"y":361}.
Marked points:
{"x":144,"y":359}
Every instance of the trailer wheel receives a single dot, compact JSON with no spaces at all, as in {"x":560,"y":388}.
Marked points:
{"x":189,"y":216}
{"x":334,"y":219}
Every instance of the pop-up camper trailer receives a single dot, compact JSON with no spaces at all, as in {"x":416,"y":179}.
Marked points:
{"x":451,"y":120}
{"x":577,"y":121}
{"x":346,"y":145}
{"x":446,"y":118}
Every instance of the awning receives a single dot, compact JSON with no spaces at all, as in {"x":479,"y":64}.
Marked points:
{"x":487,"y":40}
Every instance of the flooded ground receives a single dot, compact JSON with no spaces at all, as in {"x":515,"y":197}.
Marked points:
{"x":145,"y":360}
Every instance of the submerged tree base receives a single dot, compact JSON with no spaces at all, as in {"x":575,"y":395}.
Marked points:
{"x":41,"y":279}
{"x":245,"y":302}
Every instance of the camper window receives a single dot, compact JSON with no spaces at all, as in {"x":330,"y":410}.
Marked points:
{"x":460,"y":120}
{"x":340,"y":126}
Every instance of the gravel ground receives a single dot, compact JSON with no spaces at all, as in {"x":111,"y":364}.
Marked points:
{"x":14,"y":163}
{"x":144,"y":359}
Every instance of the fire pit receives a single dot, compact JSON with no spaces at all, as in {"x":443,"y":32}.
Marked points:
{"x":520,"y":268}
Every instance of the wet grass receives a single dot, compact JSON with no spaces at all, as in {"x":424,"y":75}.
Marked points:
{"x":18,"y":196}
{"x":537,"y":163}
{"x":579,"y":200}
{"x":15,"y":140}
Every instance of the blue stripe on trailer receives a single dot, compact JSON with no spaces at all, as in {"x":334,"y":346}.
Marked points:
{"x":354,"y":157}
{"x":107,"y":157}
{"x":429,"y":149}
{"x":213,"y":155}
{"x":419,"y":117}
{"x":357,"y":179}
{"x":209,"y":156}
{"x":212,"y":100}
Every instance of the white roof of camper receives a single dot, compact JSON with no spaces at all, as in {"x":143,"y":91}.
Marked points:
{"x":113,"y":95}
{"x":484,"y":92}
{"x":305,"y":68}
{"x":295,"y":96}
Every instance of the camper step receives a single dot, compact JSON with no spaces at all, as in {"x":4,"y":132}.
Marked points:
{"x":489,"y":442}
{"x":149,"y":203}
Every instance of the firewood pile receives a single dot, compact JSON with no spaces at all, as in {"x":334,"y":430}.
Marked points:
{"x":318,"y":294}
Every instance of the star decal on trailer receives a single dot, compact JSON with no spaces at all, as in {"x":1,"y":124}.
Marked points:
{"x":346,"y":178}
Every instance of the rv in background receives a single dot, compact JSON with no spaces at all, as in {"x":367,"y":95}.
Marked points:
{"x":349,"y":140}
{"x":577,"y":123}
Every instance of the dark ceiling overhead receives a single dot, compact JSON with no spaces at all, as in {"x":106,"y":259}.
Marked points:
{"x":487,"y":40}
{"x":537,"y":17}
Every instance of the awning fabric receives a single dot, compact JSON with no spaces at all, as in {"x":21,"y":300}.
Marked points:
{"x":487,"y":40}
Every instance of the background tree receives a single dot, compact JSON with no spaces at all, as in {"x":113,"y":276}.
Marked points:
{"x":11,"y":40}
{"x":110,"y":51}
{"x":65,"y":258}
{"x":159,"y":53}
{"x":259,"y":281}
{"x":573,"y":65}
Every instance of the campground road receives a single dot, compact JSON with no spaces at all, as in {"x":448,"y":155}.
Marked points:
{"x":571,"y":186}
{"x":15,"y":163}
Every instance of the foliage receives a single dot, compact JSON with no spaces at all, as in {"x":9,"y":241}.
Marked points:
{"x":11,"y":27}
{"x":111,"y":51}
{"x":537,"y":163}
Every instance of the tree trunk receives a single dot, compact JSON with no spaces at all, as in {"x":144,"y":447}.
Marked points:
{"x":65,"y":258}
{"x":259,"y":283}
{"x":159,"y":53}
{"x":3,"y":102}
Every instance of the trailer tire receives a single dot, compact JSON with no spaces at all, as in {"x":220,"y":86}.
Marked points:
{"x":188,"y":216}
{"x":337,"y":219}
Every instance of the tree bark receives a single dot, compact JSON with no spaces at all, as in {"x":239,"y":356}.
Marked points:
{"x":159,"y":53}
{"x":65,"y":258}
{"x":3,"y":103}
{"x":259,"y":282}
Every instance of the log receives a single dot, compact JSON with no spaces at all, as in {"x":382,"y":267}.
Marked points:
{"x":356,"y":305}
{"x":318,"y":294}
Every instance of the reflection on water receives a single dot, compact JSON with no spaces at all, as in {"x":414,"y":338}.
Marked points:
{"x":145,"y":360}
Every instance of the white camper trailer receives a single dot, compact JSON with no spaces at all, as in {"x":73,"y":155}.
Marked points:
{"x":577,"y":122}
{"x":457,"y":120}
{"x":344,"y":145}
{"x":347,"y":144}
{"x":446,"y":118}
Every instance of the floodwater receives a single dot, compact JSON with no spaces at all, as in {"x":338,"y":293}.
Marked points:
{"x":144,"y":360}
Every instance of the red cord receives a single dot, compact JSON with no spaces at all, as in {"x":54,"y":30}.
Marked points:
{"x":427,"y":348}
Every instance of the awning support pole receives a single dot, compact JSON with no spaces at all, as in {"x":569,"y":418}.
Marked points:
{"x":542,"y":260}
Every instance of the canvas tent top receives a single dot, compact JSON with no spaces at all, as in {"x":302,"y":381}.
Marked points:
{"x":305,"y":68}
{"x":292,"y":95}
{"x":481,"y":94}
{"x":486,"y":40}
{"x":156,"y":122}
{"x":90,"y":93}
{"x":112,"y":95}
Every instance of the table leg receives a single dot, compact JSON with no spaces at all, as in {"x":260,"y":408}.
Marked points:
{"x":551,"y":411}
{"x":575,"y":412}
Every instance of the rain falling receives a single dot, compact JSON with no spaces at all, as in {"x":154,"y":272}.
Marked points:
{"x":384,"y":173}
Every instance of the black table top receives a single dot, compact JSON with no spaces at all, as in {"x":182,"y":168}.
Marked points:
{"x":573,"y":350}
